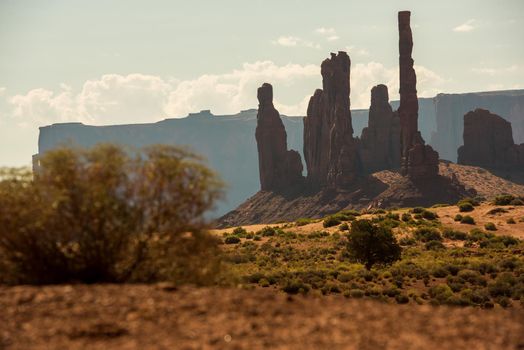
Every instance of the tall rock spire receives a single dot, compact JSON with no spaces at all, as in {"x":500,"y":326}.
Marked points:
{"x":417,"y":159}
{"x":279,"y":167}
{"x":329,"y":148}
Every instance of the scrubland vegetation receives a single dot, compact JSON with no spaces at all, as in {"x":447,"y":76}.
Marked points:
{"x":105,"y":216}
{"x":433,"y":264}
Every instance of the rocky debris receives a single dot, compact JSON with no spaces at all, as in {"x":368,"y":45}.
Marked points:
{"x":279,"y":167}
{"x":418,"y":160}
{"x":488,"y":142}
{"x":330,"y":150}
{"x":379,"y":146}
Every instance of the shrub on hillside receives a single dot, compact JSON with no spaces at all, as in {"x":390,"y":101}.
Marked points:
{"x":467,"y":220}
{"x":504,"y":199}
{"x":465,"y":207}
{"x":331,"y":221}
{"x":454,"y":234}
{"x":372,"y":244}
{"x":101,"y":215}
{"x":490,"y":226}
{"x":426,"y":234}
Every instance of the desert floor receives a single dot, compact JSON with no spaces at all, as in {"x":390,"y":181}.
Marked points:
{"x":158,"y":317}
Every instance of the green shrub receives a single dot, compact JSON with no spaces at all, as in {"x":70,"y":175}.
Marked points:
{"x":267,"y":231}
{"x":490,"y":226}
{"x":232,"y":240}
{"x":303,"y":221}
{"x":356,"y":293}
{"x":331,"y":221}
{"x":402,"y":299}
{"x":406,"y":217}
{"x":240,"y":232}
{"x":103,"y":215}
{"x":472,"y":201}
{"x":426,"y":234}
{"x":429,"y":215}
{"x":458,"y":217}
{"x":344,"y":227}
{"x":504,"y":199}
{"x":511,"y":221}
{"x":467,"y":220}
{"x":454,"y":234}
{"x":517,"y":202}
{"x":465,"y":207}
{"x":441,"y":293}
{"x":372,"y":244}
{"x":418,"y":210}
{"x":407,"y":241}
{"x":295,"y":286}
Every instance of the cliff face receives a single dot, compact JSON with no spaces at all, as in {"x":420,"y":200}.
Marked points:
{"x":279,"y":167}
{"x":379,"y":146}
{"x":450,"y":109}
{"x":418,"y":161}
{"x":329,"y":148}
{"x":488,"y":142}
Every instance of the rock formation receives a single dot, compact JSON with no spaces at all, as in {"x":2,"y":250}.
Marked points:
{"x":329,"y":148}
{"x":279,"y":167}
{"x":488,"y":142}
{"x":379,"y":146}
{"x":418,"y":160}
{"x":450,"y":110}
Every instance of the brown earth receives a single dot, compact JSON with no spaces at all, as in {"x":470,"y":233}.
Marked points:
{"x":155,"y":317}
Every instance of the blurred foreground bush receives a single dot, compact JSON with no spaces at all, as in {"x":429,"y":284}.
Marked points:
{"x":101,"y":215}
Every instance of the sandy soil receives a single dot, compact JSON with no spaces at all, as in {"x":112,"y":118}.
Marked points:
{"x":156,"y":317}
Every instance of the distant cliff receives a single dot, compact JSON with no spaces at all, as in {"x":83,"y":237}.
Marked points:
{"x":451,"y":108}
{"x":228,"y":144}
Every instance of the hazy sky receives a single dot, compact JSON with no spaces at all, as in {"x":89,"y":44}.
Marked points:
{"x":126,"y":61}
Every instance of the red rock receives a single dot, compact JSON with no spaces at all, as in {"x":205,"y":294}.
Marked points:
{"x":417,"y":159}
{"x":279,"y":167}
{"x":488,"y":142}
{"x":379,"y":146}
{"x":330,"y":150}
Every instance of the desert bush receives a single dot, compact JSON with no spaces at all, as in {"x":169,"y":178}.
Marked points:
{"x":372,"y":244}
{"x":426,"y":234}
{"x":102,"y":215}
{"x":267,"y":231}
{"x":356,"y":293}
{"x":417,"y":210}
{"x":303,"y":221}
{"x":458,"y":217}
{"x":504,"y":199}
{"x":465,"y":207}
{"x":441,"y":293}
{"x":454,"y":234}
{"x":232,"y":240}
{"x":490,"y":226}
{"x":331,"y":221}
{"x":511,"y":221}
{"x":472,"y":201}
{"x":344,"y":227}
{"x":406,"y":217}
{"x":467,"y":220}
{"x":240,"y":232}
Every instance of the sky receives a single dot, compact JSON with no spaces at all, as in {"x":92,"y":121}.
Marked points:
{"x":106,"y":62}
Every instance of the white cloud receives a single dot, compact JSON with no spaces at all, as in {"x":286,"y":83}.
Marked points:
{"x":292,"y":41}
{"x":117,"y":99}
{"x":329,"y":33}
{"x":465,"y":27}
